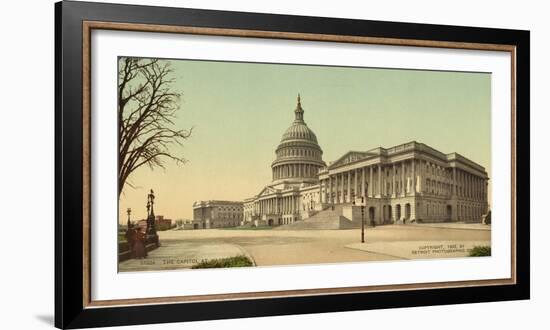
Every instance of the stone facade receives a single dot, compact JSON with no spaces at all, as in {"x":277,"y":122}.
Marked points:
{"x":217,"y":214}
{"x":407,"y":183}
{"x":411,"y":182}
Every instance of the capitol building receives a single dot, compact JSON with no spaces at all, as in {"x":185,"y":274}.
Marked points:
{"x":407,"y":183}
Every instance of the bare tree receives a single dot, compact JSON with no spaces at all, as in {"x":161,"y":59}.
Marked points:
{"x":147,"y":107}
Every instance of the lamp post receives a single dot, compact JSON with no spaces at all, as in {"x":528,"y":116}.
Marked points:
{"x":151,"y":231}
{"x":362,"y":218}
{"x":129,"y":211}
{"x":151,"y":212}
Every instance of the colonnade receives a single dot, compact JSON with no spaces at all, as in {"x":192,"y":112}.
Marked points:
{"x":295,"y":171}
{"x":277,"y":205}
{"x":395,"y":180}
{"x":469,"y":186}
{"x":401,"y":179}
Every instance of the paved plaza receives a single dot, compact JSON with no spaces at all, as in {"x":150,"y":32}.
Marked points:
{"x":184,"y":248}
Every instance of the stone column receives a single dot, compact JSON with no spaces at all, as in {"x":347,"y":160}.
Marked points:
{"x":288,"y":208}
{"x":426,"y":178}
{"x":356,"y":185}
{"x":413,"y":180}
{"x":330,"y":198}
{"x":289,"y":205}
{"x":371,"y":186}
{"x":379,"y":180}
{"x":466,"y":186}
{"x":470,"y":190}
{"x":403,"y":192}
{"x":320,"y":191}
{"x":453,"y":192}
{"x":475,"y":187}
{"x":341,"y":187}
{"x":482,"y":187}
{"x":349,"y":187}
{"x":363,"y":182}
{"x":325,"y":188}
{"x":290,"y":199}
{"x":383,"y":191}
{"x":461,"y":180}
{"x":423,"y":175}
{"x":393,"y":182}
{"x":479,"y":189}
{"x":469,"y":185}
{"x":458,"y":184}
{"x":336,"y":188}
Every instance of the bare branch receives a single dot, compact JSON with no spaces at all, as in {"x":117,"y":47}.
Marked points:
{"x":147,"y":108}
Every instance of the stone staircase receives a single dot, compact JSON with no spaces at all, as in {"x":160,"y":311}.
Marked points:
{"x":326,"y":219}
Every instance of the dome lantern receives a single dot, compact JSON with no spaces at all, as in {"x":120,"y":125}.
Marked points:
{"x":299,"y":112}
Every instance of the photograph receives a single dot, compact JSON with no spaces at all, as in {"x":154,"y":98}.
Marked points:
{"x":250,"y":164}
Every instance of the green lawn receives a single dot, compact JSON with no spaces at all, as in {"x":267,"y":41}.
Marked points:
{"x":238,"y":261}
{"x":121,"y":237}
{"x":480,"y":251}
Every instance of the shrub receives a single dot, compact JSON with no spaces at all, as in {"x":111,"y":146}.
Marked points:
{"x":121,"y":237}
{"x":480,"y":251}
{"x":488,"y":218}
{"x":238,"y":261}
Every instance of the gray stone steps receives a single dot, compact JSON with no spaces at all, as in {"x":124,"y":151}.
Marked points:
{"x":326,"y":219}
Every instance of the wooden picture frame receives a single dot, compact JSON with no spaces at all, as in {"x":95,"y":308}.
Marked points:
{"x":75,"y":21}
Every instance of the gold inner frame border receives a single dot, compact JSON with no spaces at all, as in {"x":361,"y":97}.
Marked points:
{"x":89,"y":26}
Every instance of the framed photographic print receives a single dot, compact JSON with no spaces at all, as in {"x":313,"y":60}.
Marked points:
{"x":215,"y":164}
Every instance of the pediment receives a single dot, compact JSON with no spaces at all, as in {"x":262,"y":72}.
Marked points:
{"x":267,"y":191}
{"x":349,"y":157}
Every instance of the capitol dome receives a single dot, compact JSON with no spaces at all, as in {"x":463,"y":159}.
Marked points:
{"x":298,"y":156}
{"x":299,"y":131}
